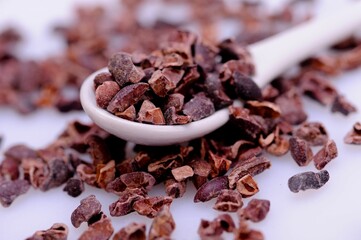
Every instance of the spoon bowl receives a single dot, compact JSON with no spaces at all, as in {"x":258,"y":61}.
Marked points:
{"x":271,"y":56}
{"x":146,"y":134}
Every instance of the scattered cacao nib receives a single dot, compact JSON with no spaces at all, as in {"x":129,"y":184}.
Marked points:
{"x":150,"y":206}
{"x":318,"y":87}
{"x":300,"y":151}
{"x":105,"y":93}
{"x":325,"y":155}
{"x":351,"y":59}
{"x":124,"y":205}
{"x":354,"y":136}
{"x":136,"y":180}
{"x":312,"y":132}
{"x":10,"y":190}
{"x":87,"y":174}
{"x":175,"y":189}
{"x":209,"y":230}
{"x":291,"y":107}
{"x":252,"y":166}
{"x":160,"y":168}
{"x":211,"y":189}
{"x":10,"y":168}
{"x":340,"y":104}
{"x":182,"y":173}
{"x":279,"y":146}
{"x":243,"y":232}
{"x":98,"y":150}
{"x":256,"y":210}
{"x":163,"y":225}
{"x":308,"y":180}
{"x":228,"y":201}
{"x":199,"y":107}
{"x":58,"y":173}
{"x":123,"y":70}
{"x":102,"y":229}
{"x":220,"y":165}
{"x":74,"y":187}
{"x":264,"y":109}
{"x":201,"y":170}
{"x":245,"y":121}
{"x":58,"y":231}
{"x":105,"y":173}
{"x":215,"y":228}
{"x":19,"y":152}
{"x":88,"y":208}
{"x":247,"y":186}
{"x":127,"y":96}
{"x":133,"y":231}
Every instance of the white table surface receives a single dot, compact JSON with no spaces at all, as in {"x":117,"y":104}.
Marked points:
{"x":333,"y":212}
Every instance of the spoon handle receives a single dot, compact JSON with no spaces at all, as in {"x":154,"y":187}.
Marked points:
{"x":276,"y":54}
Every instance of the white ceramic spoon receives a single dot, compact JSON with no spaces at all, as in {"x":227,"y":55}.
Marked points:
{"x":271,"y":56}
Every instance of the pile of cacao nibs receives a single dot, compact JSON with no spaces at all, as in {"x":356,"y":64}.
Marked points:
{"x":186,"y":72}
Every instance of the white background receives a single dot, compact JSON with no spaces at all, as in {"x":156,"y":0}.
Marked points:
{"x":333,"y":212}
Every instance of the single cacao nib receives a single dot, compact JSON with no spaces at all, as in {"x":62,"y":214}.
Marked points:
{"x":175,"y":100}
{"x":247,"y":186}
{"x":252,"y":166}
{"x":74,"y":187}
{"x":313,"y":132}
{"x":246,"y":88}
{"x":199,"y":107}
{"x":123,"y":70}
{"x":124,"y":205}
{"x":291,"y":107}
{"x":133,"y":231}
{"x":318,"y":87}
{"x":149,"y":113}
{"x":172,"y":118}
{"x":340,"y":104}
{"x":150,"y":206}
{"x":216,"y":91}
{"x":161,"y":84}
{"x":300,"y":151}
{"x":256,"y":210}
{"x":127,"y":96}
{"x":101,"y":229}
{"x":175,"y":189}
{"x":354,"y":136}
{"x":10,"y":190}
{"x":101,"y":78}
{"x":228,"y":201}
{"x":105,"y":93}
{"x":19,"y":152}
{"x":245,"y":121}
{"x":163,"y":225}
{"x":215,"y":228}
{"x":308,"y":180}
{"x":88,"y":208}
{"x":58,"y":231}
{"x":211,"y":189}
{"x":263,"y":108}
{"x":325,"y":155}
